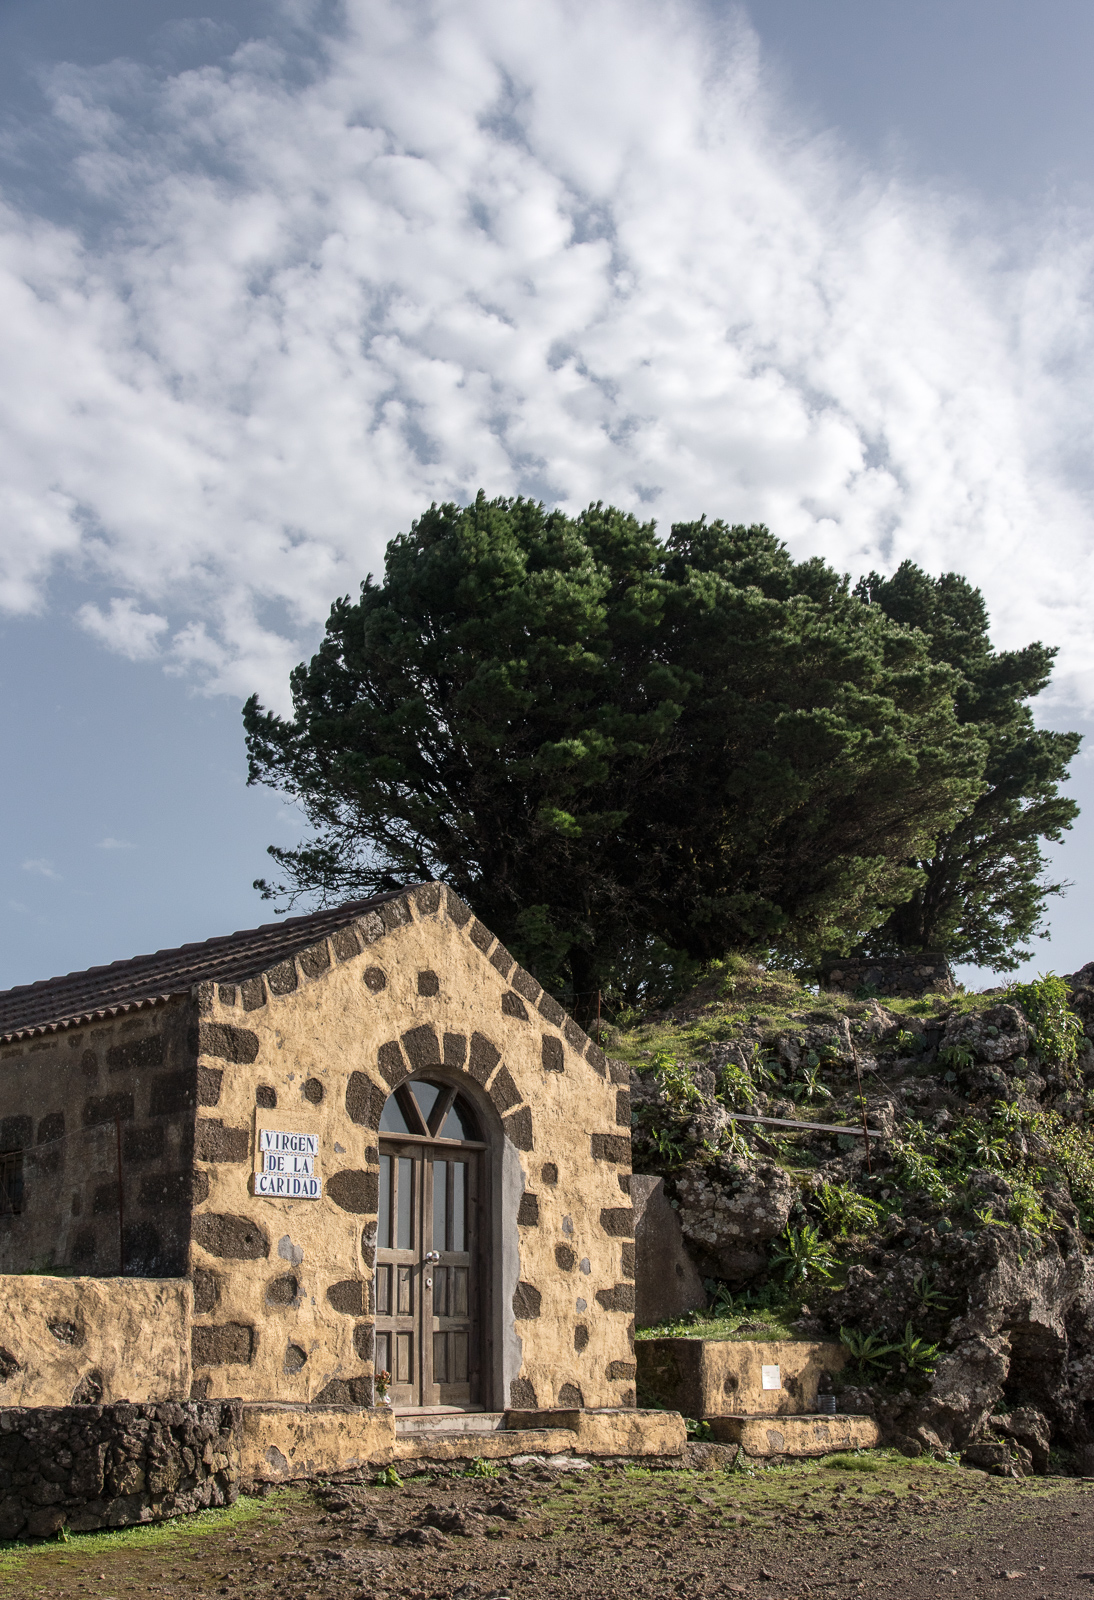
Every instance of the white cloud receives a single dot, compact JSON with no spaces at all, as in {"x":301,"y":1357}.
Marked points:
{"x":115,"y":844}
{"x":577,"y":251}
{"x":42,"y":869}
{"x":123,"y":628}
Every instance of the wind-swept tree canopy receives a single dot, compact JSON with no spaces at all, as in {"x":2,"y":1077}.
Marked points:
{"x":983,"y":887}
{"x":602,"y":740}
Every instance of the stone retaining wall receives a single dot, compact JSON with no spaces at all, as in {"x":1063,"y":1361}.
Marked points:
{"x":904,"y":977}
{"x":86,"y":1467}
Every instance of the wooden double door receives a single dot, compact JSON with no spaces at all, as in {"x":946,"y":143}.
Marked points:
{"x":429,"y":1273}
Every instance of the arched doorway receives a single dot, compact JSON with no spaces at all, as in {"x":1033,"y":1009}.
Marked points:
{"x":431,"y":1240}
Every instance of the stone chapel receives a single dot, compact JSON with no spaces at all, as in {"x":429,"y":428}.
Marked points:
{"x":369,"y":1144}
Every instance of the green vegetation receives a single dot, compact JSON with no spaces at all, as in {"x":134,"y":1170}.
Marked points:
{"x":983,"y":882}
{"x":801,"y":1254}
{"x":632,"y":755}
{"x":1056,"y":1030}
{"x":162,"y":1536}
{"x":866,"y":1350}
{"x":844,"y":1210}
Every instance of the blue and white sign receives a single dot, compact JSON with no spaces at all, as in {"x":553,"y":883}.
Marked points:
{"x":286,"y":1165}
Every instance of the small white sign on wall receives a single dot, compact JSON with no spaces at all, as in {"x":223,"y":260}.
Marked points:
{"x":285,"y":1165}
{"x":770,"y":1378}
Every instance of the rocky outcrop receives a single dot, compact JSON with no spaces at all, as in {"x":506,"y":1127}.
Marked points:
{"x":730,"y":1212}
{"x":85,"y":1467}
{"x":970,"y":1232}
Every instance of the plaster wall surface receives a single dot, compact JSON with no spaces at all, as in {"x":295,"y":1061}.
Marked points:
{"x":725,"y":1377}
{"x":86,"y":1341}
{"x":283,"y":1287}
{"x":281,"y":1442}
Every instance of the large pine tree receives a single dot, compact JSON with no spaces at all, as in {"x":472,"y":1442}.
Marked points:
{"x":602,"y":740}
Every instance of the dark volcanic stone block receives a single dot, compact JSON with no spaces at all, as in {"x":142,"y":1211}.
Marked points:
{"x":357,"y":1192}
{"x":518,"y":1128}
{"x":136,"y":1054}
{"x":225,"y":1042}
{"x":364,"y":1100}
{"x":105,"y":1108}
{"x":422,"y":1048}
{"x":349,"y":1297}
{"x":612,"y":1147}
{"x":210,"y":1081}
{"x":527,"y":1301}
{"x":231,"y":1238}
{"x":229,"y":1344}
{"x":214,"y":1142}
{"x":484,"y":1058}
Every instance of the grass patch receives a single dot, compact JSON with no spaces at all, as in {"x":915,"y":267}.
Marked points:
{"x":739,"y":1326}
{"x":150,"y":1536}
{"x":852,"y":1461}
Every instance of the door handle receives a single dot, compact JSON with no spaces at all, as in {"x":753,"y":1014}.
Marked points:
{"x":432,"y":1255}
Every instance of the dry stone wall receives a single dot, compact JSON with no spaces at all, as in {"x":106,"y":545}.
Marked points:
{"x":87,"y":1467}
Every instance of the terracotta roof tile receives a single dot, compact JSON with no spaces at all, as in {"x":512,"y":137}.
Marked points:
{"x":228,"y":959}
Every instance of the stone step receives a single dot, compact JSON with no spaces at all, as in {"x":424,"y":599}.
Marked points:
{"x":449,"y":1445}
{"x":447,"y":1420}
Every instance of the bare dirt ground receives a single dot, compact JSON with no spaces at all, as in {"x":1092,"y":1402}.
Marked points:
{"x":904,"y":1529}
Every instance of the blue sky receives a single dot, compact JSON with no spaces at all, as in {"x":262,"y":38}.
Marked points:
{"x":275,"y":276}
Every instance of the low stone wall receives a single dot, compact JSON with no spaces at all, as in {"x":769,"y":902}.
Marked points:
{"x":93,"y":1341}
{"x":86,"y":1467}
{"x":903,"y":977}
{"x":736,"y":1377}
{"x":281,"y":1441}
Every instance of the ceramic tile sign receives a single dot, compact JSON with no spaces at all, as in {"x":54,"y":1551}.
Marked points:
{"x":285,"y":1165}
{"x":770,"y":1378}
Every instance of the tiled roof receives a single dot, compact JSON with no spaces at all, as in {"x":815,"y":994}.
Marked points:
{"x":229,"y":959}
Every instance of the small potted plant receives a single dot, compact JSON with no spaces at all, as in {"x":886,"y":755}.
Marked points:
{"x":383,"y":1379}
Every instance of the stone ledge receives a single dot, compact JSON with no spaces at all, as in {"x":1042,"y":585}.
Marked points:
{"x":282,"y":1441}
{"x":796,"y":1436}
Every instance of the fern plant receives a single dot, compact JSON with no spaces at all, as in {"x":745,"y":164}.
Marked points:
{"x":914,"y":1351}
{"x":865,"y":1349}
{"x":802,"y":1254}
{"x":845,"y":1210}
{"x":927,"y":1293}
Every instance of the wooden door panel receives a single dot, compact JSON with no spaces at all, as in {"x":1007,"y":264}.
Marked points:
{"x":427,"y":1285}
{"x":398,"y":1259}
{"x":453,"y":1211}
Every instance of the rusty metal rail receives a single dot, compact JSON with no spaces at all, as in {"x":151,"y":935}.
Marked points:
{"x":849,"y":1131}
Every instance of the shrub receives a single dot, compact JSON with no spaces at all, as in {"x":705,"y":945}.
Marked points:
{"x":1056,"y":1029}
